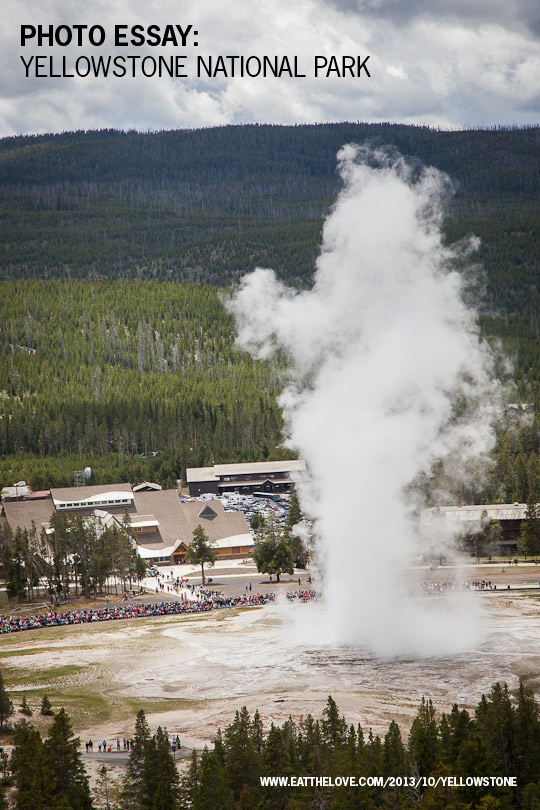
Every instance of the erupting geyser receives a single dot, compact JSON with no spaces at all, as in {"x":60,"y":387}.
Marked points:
{"x":381,"y":349}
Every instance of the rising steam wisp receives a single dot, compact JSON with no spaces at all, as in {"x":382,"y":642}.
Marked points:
{"x":381,"y":349}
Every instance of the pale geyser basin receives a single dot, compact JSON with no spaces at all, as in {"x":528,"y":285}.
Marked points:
{"x":274,"y":659}
{"x":255,"y":659}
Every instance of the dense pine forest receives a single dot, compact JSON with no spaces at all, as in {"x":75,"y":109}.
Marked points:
{"x":500,"y":738}
{"x":108,"y":361}
{"x":209,"y":205}
{"x":440,"y":765}
{"x":136,"y":379}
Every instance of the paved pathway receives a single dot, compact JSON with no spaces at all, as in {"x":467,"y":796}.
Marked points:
{"x":121,"y":757}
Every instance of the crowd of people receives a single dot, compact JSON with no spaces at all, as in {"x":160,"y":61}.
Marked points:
{"x":302,"y":595}
{"x":452,"y":585}
{"x":126,"y":744}
{"x":480,"y":585}
{"x":133,"y":610}
{"x":443,"y":587}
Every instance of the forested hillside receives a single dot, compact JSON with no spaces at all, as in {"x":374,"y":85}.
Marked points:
{"x":208,"y":205}
{"x":110,"y":373}
{"x":105,"y":361}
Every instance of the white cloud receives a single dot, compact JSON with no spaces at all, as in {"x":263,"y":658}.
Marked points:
{"x":436,"y":63}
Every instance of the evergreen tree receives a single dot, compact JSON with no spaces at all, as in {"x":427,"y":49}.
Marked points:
{"x":276,"y":761}
{"x":495,"y":721}
{"x":68,"y":775}
{"x":159,"y":777}
{"x":530,"y":799}
{"x":257,"y":522}
{"x":334,"y":727}
{"x":34,"y":778}
{"x":106,"y":791}
{"x":257,"y":732}
{"x":189,"y":781}
{"x":472,"y":760}
{"x":294,"y":517}
{"x":6,"y":705}
{"x":131,"y":793}
{"x":211,"y":792}
{"x":423,"y":738}
{"x":310,"y":745}
{"x":15,"y":575}
{"x":529,"y":540}
{"x":25,"y":708}
{"x":487,"y":540}
{"x":527,"y":737}
{"x":201,"y":551}
{"x":394,"y":753}
{"x":459,"y":723}
{"x":273,"y":555}
{"x":46,"y":707}
{"x":242,"y":759}
{"x":373,"y":756}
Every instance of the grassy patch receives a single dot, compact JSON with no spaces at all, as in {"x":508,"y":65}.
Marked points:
{"x":23,"y":651}
{"x":157,"y":705}
{"x":31,"y":636}
{"x":84,"y":709}
{"x":89,"y":710}
{"x":227,"y":614}
{"x":14,"y":676}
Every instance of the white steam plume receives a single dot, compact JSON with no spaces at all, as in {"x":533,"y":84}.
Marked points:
{"x":381,"y":349}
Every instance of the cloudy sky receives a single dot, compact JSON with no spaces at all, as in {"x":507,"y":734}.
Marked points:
{"x":447,"y":63}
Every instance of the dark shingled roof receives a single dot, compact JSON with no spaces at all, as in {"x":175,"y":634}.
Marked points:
{"x":81,"y":493}
{"x":167,"y":509}
{"x":176,"y":519}
{"x":225,"y":524}
{"x":21,"y":513}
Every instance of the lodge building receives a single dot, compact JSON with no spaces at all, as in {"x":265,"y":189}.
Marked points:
{"x":466,"y":520}
{"x":161,"y":523}
{"x":260,"y":476}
